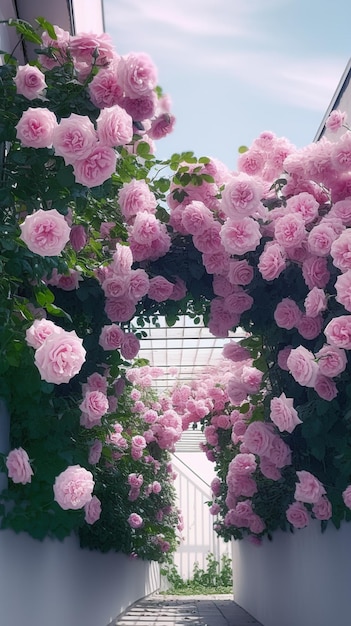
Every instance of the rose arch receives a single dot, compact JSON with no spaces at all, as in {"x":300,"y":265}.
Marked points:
{"x":99,"y":241}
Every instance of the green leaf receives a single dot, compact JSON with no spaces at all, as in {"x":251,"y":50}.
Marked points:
{"x":242,"y":149}
{"x":44,"y":296}
{"x":26,"y":30}
{"x":45,"y":25}
{"x":57,"y":311}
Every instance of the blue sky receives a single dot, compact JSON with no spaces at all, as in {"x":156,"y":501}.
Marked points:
{"x":234,"y":68}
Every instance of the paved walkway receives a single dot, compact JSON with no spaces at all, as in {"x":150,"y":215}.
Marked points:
{"x":160,"y":610}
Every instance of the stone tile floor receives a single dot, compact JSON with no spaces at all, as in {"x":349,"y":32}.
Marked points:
{"x":165,"y":610}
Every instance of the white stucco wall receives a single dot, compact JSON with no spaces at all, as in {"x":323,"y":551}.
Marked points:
{"x":58,"y":584}
{"x":300,"y":579}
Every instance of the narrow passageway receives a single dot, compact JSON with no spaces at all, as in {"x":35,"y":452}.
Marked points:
{"x":160,"y":610}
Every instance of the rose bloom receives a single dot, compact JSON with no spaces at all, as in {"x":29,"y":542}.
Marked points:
{"x":115,"y":286}
{"x":18,"y":466}
{"x":137,"y":74}
{"x":78,"y":237}
{"x":240,"y":236}
{"x":283,"y":414}
{"x":159,"y":289}
{"x":297,"y":515}
{"x":105,"y":89}
{"x":39,"y":331}
{"x":241,"y":196}
{"x":343,"y":290}
{"x":60,"y":357}
{"x":315,"y":302}
{"x":95,"y":452}
{"x":305,"y":205}
{"x":283,"y":357}
{"x":320,"y":239}
{"x":240,"y":272}
{"x":322,"y":509}
{"x":95,"y":404}
{"x":332,"y":361}
{"x":315,"y":272}
{"x":36,"y":127}
{"x":279,"y":453}
{"x":140,"y":109}
{"x":346,"y":496}
{"x":335,"y":120}
{"x":196,"y":217}
{"x":45,"y":232}
{"x":134,"y":197}
{"x":287,"y":314}
{"x":302,"y":366}
{"x":135,"y":520}
{"x":114,"y":126}
{"x":161,"y":126}
{"x":290,"y":230}
{"x":73,"y":487}
{"x":326,"y":388}
{"x":29,"y":81}
{"x":111,"y":337}
{"x":269,"y":469}
{"x":67,"y":282}
{"x":96,"y":167}
{"x":243,"y":464}
{"x":119,"y":309}
{"x":130,"y":346}
{"x":341,"y":251}
{"x":74,"y":138}
{"x":338,"y":332}
{"x":272,"y":261}
{"x":310,"y":327}
{"x":234,"y":351}
{"x":92,"y":510}
{"x":309,"y":489}
{"x":258,"y":438}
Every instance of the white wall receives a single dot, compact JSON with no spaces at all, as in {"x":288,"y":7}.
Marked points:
{"x":300,"y":579}
{"x":58,"y":584}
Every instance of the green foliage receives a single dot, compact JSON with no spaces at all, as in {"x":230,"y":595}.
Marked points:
{"x":215,"y":578}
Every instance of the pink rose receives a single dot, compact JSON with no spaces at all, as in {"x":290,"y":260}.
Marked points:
{"x":320,"y":239}
{"x":39,"y":331}
{"x":161,"y":126}
{"x":67,"y":282}
{"x":243,"y":464}
{"x":287,"y":314}
{"x":137,"y":74}
{"x":332,"y":361}
{"x":309,"y":489}
{"x":18,"y":466}
{"x":94,"y":404}
{"x":36,"y":127}
{"x":130,"y":346}
{"x":326,"y":388}
{"x":322,"y":509}
{"x":29,"y":81}
{"x":74,"y":138}
{"x":111,"y":337}
{"x":119,"y":309}
{"x":283,"y":414}
{"x":134,"y":520}
{"x":95,"y":452}
{"x":122,"y":261}
{"x":343,"y":290}
{"x":138,"y":284}
{"x":73,"y":487}
{"x":272,"y":261}
{"x":310,"y":327}
{"x":84,"y":47}
{"x":335,"y":120}
{"x":196,"y":217}
{"x":256,"y":524}
{"x":338,"y":332}
{"x":209,"y":240}
{"x":97,"y":167}
{"x":269,"y":469}
{"x":105,"y":89}
{"x":258,"y":438}
{"x":305,"y":205}
{"x":240,"y":272}
{"x":240,"y":236}
{"x":283,"y":358}
{"x":341,"y":251}
{"x":290,"y":230}
{"x":302,"y":366}
{"x":346,"y":496}
{"x":315,"y":272}
{"x":60,"y":357}
{"x":160,"y":289}
{"x":135,"y":197}
{"x":135,"y":480}
{"x":297,"y":515}
{"x":115,"y":286}
{"x":241,"y":196}
{"x":315,"y":302}
{"x":140,"y":109}
{"x":92,"y":510}
{"x":78,"y":237}
{"x":234,"y":351}
{"x":279,"y":453}
{"x":45,"y":232}
{"x":114,"y":126}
